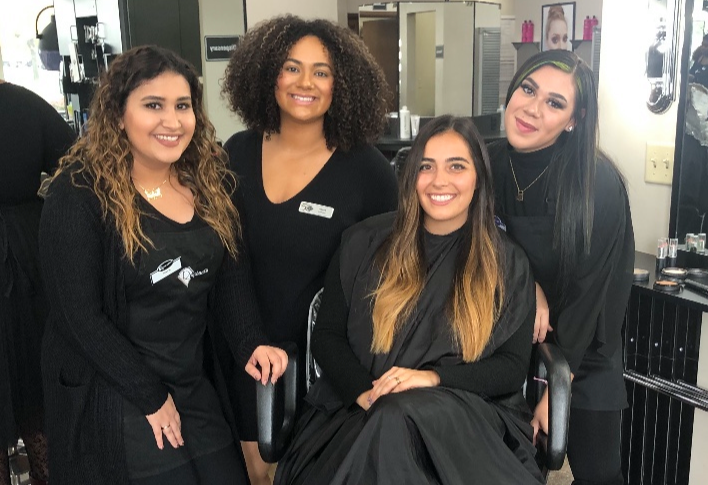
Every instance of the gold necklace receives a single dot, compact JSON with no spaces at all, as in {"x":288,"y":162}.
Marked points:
{"x":153,"y":194}
{"x":519,"y":192}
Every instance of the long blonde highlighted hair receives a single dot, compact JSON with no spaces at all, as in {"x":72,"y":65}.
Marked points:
{"x":477,"y":292}
{"x":103,"y":155}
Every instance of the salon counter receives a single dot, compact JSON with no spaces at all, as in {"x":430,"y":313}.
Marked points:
{"x":687,"y":297}
{"x":665,"y":427}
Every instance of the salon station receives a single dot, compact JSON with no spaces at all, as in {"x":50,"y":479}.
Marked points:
{"x":458,"y":58}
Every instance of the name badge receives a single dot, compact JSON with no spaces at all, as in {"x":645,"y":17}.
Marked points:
{"x":316,"y":209}
{"x":165,"y":269}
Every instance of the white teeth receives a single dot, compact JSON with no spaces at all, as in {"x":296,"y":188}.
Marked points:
{"x":303,"y":98}
{"x":166,"y":137}
{"x":441,"y":198}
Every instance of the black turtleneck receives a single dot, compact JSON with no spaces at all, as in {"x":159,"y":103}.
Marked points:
{"x":527,"y":167}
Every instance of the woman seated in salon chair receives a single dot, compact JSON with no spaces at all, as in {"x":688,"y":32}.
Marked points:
{"x":423,"y":336}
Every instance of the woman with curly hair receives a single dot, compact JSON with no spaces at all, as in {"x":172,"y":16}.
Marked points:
{"x":144,"y":268}
{"x":314,"y":100}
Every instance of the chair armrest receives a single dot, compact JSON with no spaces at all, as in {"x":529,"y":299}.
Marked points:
{"x":276,"y":406}
{"x":552,"y":366}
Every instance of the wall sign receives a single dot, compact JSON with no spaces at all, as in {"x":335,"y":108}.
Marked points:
{"x":219,"y":47}
{"x":439,"y":51}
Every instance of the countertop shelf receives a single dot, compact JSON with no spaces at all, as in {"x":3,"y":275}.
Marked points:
{"x":686,"y":297}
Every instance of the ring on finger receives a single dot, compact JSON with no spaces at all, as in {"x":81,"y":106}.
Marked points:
{"x":397,"y":379}
{"x":166,"y":427}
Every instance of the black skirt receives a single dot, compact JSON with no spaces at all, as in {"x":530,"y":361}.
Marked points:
{"x":423,"y":436}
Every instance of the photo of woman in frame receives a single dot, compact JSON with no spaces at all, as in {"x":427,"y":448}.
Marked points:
{"x":557,"y":26}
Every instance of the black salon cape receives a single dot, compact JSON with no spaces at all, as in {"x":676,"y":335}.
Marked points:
{"x":441,"y":435}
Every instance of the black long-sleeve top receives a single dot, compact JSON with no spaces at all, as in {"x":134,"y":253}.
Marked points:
{"x":290,"y":246}
{"x":590,"y":312}
{"x":34,"y":137}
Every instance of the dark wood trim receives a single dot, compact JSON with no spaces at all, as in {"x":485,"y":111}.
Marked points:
{"x":379,"y":14}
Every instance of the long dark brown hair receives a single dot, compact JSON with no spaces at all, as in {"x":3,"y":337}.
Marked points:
{"x":103,"y":155}
{"x":474,"y":302}
{"x":574,"y":162}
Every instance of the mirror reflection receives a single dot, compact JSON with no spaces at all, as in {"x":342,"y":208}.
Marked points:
{"x":693,"y":182}
{"x":662,"y":54}
{"x":444,"y":57}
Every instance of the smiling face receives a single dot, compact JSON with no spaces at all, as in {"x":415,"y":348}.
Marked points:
{"x":305,"y":84}
{"x":446,"y":183}
{"x":557,"y":37}
{"x":540,"y":109}
{"x":159,"y":121}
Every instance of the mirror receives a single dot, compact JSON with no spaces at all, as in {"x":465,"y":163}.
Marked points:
{"x":438,"y":57}
{"x":662,"y":53}
{"x":690,"y":185}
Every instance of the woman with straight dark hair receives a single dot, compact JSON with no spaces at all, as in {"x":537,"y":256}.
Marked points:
{"x":145,"y":269}
{"x":314,"y":101}
{"x":562,"y":199}
{"x":423,"y":336}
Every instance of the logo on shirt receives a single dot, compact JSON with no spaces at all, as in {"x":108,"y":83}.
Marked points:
{"x":499,"y":223}
{"x":186,"y":274}
{"x":165,"y":269}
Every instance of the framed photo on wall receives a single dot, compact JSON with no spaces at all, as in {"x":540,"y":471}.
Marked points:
{"x":557,"y":26}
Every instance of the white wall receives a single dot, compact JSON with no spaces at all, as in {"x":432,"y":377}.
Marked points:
{"x":626,"y":125}
{"x":2,"y":76}
{"x":258,"y":10}
{"x":217,"y":17}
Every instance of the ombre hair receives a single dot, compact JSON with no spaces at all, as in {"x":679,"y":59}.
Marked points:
{"x":477,"y":292}
{"x":103,"y":155}
{"x":574,"y":161}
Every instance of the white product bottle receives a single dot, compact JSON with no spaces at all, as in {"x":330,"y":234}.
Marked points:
{"x":501,"y":117}
{"x":404,"y":119}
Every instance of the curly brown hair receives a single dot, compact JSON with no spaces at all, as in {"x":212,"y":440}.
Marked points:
{"x":103,"y":155}
{"x":359,"y":98}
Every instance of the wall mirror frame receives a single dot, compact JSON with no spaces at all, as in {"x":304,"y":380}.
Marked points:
{"x":689,"y":193}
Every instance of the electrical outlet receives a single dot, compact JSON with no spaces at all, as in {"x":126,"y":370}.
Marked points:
{"x":659,"y":167}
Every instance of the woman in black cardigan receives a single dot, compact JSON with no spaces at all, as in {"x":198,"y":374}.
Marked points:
{"x":144,"y":270}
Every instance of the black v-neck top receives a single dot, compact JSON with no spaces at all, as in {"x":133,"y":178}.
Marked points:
{"x":291,"y":243}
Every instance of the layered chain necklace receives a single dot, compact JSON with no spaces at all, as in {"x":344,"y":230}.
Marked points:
{"x":519,"y":191}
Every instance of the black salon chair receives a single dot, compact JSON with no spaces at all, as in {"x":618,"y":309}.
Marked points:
{"x":276,"y":403}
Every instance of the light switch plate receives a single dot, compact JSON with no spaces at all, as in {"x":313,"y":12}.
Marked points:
{"x":659,"y":168}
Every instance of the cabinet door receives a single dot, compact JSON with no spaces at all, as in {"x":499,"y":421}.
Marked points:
{"x":172,"y":24}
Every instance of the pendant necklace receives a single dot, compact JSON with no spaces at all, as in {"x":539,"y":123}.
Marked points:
{"x":153,"y":194}
{"x":519,"y":192}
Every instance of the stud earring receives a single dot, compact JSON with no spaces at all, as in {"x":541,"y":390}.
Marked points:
{"x":569,"y":129}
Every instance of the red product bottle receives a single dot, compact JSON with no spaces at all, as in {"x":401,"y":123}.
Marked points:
{"x":587,"y":28}
{"x":595,"y":22}
{"x":524,"y":31}
{"x":530,"y":31}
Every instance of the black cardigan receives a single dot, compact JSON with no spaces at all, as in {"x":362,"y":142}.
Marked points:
{"x":88,"y":365}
